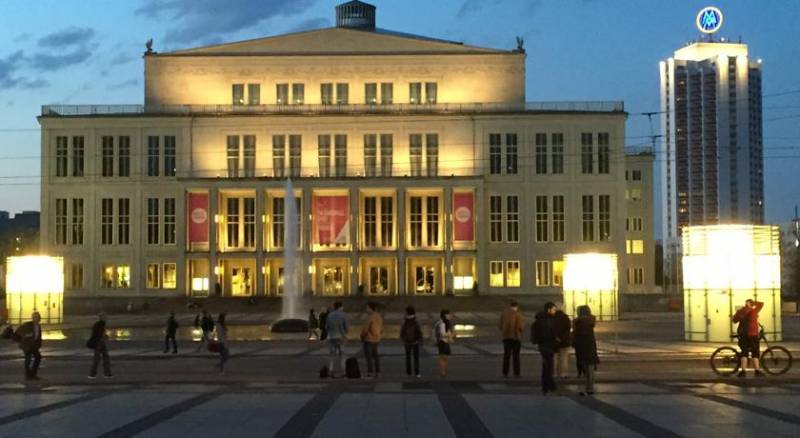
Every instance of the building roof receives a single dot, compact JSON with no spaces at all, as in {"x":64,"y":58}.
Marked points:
{"x":337,"y":41}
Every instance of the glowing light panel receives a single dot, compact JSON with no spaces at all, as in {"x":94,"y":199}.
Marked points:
{"x":591,"y":279}
{"x":35,"y":283}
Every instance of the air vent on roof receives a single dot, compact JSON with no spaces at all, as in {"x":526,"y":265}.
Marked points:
{"x":355,"y":15}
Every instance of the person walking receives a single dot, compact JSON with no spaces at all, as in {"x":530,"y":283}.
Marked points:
{"x":563,"y":328}
{"x":370,"y":337}
{"x":222,"y":339}
{"x":98,"y":343}
{"x":411,"y":335}
{"x":543,"y":335}
{"x":511,"y":324}
{"x":323,"y":319}
{"x":443,"y":333}
{"x":313,"y":324}
{"x":170,"y":331}
{"x":29,"y":335}
{"x":207,"y":326}
{"x":336,"y":328}
{"x":585,"y":347}
{"x":749,"y":334}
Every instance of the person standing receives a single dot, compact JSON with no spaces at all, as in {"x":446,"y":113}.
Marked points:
{"x":585,"y":347}
{"x":336,"y":328}
{"x":511,"y":325}
{"x":749,"y":334}
{"x":411,"y":335}
{"x":443,"y":333}
{"x":170,"y":331}
{"x":313,"y":324}
{"x":323,"y":319}
{"x":30,"y":342}
{"x":98,"y":342}
{"x":222,"y":338}
{"x":370,"y":337}
{"x":562,"y":327}
{"x":543,"y":335}
{"x":207,"y":326}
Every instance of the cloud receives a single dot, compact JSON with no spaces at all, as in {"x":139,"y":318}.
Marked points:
{"x":9,"y":79}
{"x":310,"y":24}
{"x":50,"y":62}
{"x":122,"y":58}
{"x":125,"y":84}
{"x":21,"y":38}
{"x":67,"y":37}
{"x":194,"y":20}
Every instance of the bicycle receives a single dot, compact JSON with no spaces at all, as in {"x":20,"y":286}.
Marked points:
{"x":775,"y":360}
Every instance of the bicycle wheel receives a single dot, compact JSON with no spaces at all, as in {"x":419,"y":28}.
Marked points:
{"x":776,"y":360}
{"x":725,"y":361}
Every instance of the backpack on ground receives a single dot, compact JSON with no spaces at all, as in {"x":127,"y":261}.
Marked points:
{"x":324,"y":373}
{"x":351,"y":370}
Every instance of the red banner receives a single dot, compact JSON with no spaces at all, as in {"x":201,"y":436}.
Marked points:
{"x":197,"y":213}
{"x":331,"y":220}
{"x":464,"y":217}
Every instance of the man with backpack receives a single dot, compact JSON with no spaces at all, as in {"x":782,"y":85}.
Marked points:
{"x":411,"y":335}
{"x":29,"y":336}
{"x":749,"y":333}
{"x":543,"y":335}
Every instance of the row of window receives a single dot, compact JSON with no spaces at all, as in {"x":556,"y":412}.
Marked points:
{"x":335,"y":93}
{"x":115,"y":221}
{"x":548,"y":273}
{"x":549,"y":158}
{"x":113,"y":276}
{"x":115,"y":156}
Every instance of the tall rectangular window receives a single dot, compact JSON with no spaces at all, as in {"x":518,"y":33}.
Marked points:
{"x":278,"y":215}
{"x":282,"y":94}
{"x":387,"y":221}
{"x":61,"y":221}
{"x":324,"y":154}
{"x":415,"y":92}
{"x":557,"y":153}
{"x":415,"y":154}
{"x":415,"y":220}
{"x":153,"y":155}
{"x":387,"y":148}
{"x":153,"y":276}
{"x":342,"y":93}
{"x":249,"y":155}
{"x":76,"y":276}
{"x":169,"y":221}
{"x":511,"y":154}
{"x":237,"y":94}
{"x":107,"y":159}
{"x":295,"y":157}
{"x":432,"y":154}
{"x":233,"y":156}
{"x":249,"y":220}
{"x":169,"y":276}
{"x":370,"y":154}
{"x":587,"y":154}
{"x":278,"y":155}
{"x":340,"y":151}
{"x":432,"y":221}
{"x":124,"y":156}
{"x":77,"y":156}
{"x":298,"y":94}
{"x":512,"y":273}
{"x":603,"y":153}
{"x":370,"y":221}
{"x":77,"y":221}
{"x":424,"y":221}
{"x":107,"y":221}
{"x":559,"y":219}
{"x":326,"y":93}
{"x":512,"y":219}
{"x":387,"y":93}
{"x":61,"y":156}
{"x":496,"y":273}
{"x":587,"y":208}
{"x":431,"y":92}
{"x":495,"y":151}
{"x":495,"y":219}
{"x":542,"y":273}
{"x":169,"y":155}
{"x":254,"y":94}
{"x":232,"y":222}
{"x":370,"y":93}
{"x":152,"y":221}
{"x":541,"y":153}
{"x":124,"y":221}
{"x":541,"y":219}
{"x":604,"y":217}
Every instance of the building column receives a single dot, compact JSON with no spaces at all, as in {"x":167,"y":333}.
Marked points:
{"x":355,"y":280}
{"x":401,"y":242}
{"x":260,"y":289}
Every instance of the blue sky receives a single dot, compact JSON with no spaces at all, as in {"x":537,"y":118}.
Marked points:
{"x":89,"y":52}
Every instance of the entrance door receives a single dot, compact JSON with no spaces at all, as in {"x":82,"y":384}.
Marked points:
{"x":333,"y":280}
{"x":378,"y":280}
{"x":425,"y":280}
{"x":241,"y":280}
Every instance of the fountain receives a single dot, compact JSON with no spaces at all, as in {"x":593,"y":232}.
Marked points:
{"x":291,"y":320}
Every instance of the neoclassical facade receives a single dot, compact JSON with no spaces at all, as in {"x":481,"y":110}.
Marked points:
{"x":416,"y":168}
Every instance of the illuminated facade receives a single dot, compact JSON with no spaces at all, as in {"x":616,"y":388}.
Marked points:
{"x":417,"y":167}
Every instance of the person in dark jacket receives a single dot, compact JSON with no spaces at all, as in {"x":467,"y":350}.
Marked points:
{"x":222,"y":337}
{"x":543,"y":335}
{"x":562,"y":327}
{"x":207,"y":326}
{"x":411,"y":335}
{"x":30,"y":342}
{"x":97,"y":342}
{"x":171,"y":330}
{"x":585,"y":345}
{"x":323,"y":320}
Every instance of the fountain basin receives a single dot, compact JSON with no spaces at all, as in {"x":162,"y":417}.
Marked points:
{"x":290,"y":325}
